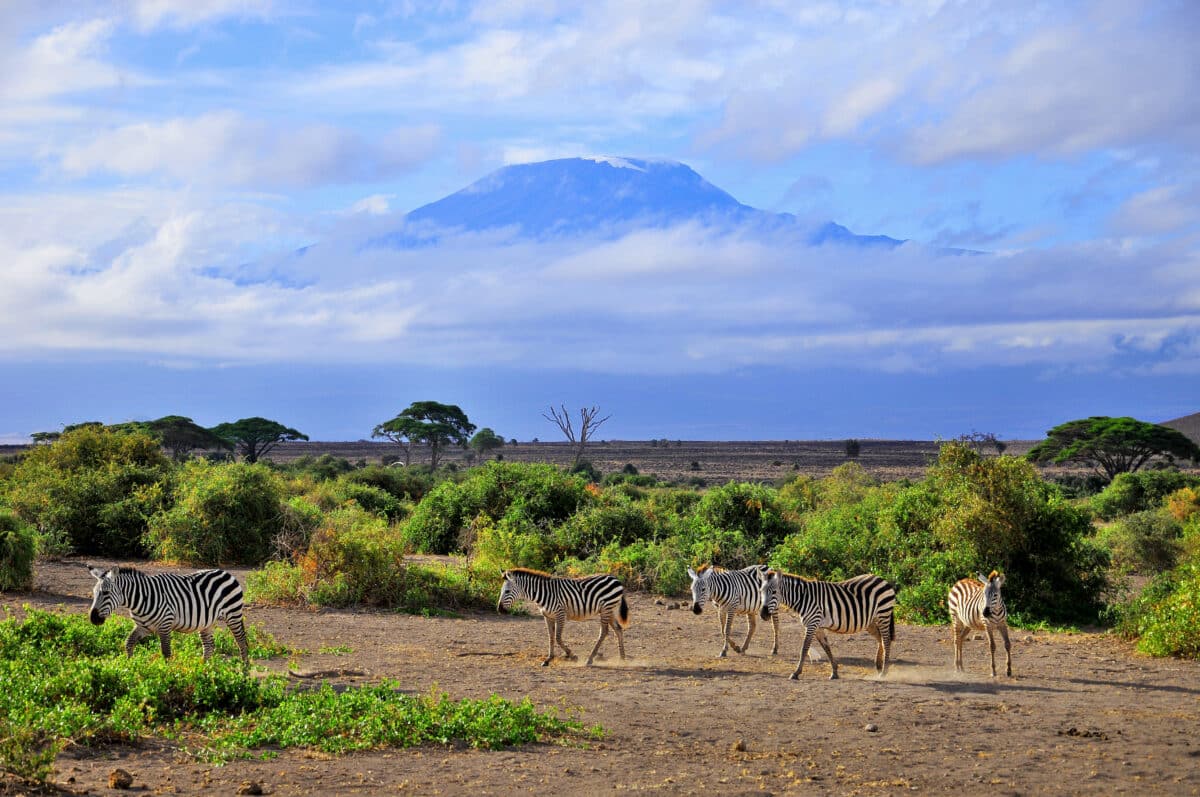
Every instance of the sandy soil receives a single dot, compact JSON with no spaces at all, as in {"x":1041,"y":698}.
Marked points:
{"x":1084,"y":714}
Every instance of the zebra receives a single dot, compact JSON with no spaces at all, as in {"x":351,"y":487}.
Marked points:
{"x":862,"y":603}
{"x":561,"y":599}
{"x":166,"y":602}
{"x":732,"y":592}
{"x":978,"y":604}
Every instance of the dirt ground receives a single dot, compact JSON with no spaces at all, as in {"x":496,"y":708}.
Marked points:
{"x":1083,"y":715}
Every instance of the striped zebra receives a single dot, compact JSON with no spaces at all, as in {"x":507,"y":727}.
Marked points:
{"x":978,"y":605}
{"x":166,"y":602}
{"x":732,"y":592}
{"x":862,"y":603}
{"x":561,"y":599}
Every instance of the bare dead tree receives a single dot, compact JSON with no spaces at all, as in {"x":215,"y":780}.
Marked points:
{"x":588,"y":424}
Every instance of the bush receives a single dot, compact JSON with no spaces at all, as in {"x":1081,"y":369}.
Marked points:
{"x":1137,"y":492}
{"x":593,"y":528}
{"x":524,"y":494}
{"x":18,"y":544}
{"x":969,"y":514}
{"x":406,"y":484}
{"x":1144,"y":542}
{"x":93,"y":490}
{"x":750,"y":509}
{"x":323,"y":468}
{"x":1165,"y":617}
{"x":585,"y":469}
{"x":225,"y":513}
{"x":354,"y":558}
{"x":373,"y":499}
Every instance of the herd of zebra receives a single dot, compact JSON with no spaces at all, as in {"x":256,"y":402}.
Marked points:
{"x":196,"y":602}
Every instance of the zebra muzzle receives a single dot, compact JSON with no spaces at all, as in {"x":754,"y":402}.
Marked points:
{"x":697,"y":608}
{"x":96,"y":617}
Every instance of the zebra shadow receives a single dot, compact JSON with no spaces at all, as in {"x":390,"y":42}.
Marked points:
{"x":1134,"y":685}
{"x":991,"y":687}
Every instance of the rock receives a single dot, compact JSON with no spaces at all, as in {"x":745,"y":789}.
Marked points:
{"x":672,"y":605}
{"x":738,"y":747}
{"x":659,"y":602}
{"x":119,"y":779}
{"x":250,"y":787}
{"x":870,"y":727}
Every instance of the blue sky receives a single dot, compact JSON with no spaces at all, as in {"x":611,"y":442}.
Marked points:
{"x":161,"y":159}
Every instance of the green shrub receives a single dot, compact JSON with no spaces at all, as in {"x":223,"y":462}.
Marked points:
{"x":68,"y":682}
{"x":373,"y":499}
{"x":223,"y":513}
{"x":594,"y":527}
{"x":354,"y":557}
{"x":93,"y":490}
{"x":323,"y":468}
{"x":528,"y":493}
{"x":18,"y":544}
{"x":1145,"y":542}
{"x":969,"y":514}
{"x":751,"y":509}
{"x":1165,"y":617}
{"x":1138,"y":492}
{"x":407,"y":484}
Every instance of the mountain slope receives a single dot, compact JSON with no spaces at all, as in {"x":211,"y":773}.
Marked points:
{"x":606,"y":196}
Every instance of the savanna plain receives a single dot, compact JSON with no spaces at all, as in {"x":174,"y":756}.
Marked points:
{"x":1084,"y":713}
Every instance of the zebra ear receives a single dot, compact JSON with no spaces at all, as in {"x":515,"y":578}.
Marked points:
{"x":999,"y":579}
{"x":504,"y":574}
{"x":692,"y":574}
{"x":981,"y":577}
{"x":97,"y":573}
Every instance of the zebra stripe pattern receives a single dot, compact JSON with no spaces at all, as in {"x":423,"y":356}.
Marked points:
{"x":976,"y":604}
{"x":561,"y":599}
{"x":862,"y":603}
{"x":733,"y":592}
{"x":166,"y":602}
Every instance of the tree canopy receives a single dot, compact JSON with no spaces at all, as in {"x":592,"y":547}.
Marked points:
{"x":254,"y":437}
{"x":486,"y":441}
{"x":1113,"y":445}
{"x":432,"y":423}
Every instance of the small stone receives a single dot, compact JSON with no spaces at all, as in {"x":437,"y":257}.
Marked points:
{"x":672,"y":605}
{"x":659,"y":602}
{"x":119,"y":779}
{"x":738,"y":747}
{"x":870,"y":727}
{"x":250,"y":787}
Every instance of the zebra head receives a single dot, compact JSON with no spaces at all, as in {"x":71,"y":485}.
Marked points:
{"x":993,"y":603}
{"x":510,"y":593}
{"x":768,"y":593}
{"x":106,"y":595}
{"x":699,"y":588}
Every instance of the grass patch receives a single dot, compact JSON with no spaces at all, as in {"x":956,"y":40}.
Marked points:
{"x":67,"y":681}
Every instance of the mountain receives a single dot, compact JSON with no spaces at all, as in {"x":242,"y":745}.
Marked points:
{"x":605,"y":196}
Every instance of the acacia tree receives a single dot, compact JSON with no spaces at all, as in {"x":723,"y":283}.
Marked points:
{"x":181,"y":435}
{"x":588,"y":424}
{"x":485,"y":441}
{"x":431,"y":423}
{"x":254,"y":437}
{"x":403,"y":431}
{"x":1113,"y":445}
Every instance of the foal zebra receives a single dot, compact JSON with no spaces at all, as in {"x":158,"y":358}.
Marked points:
{"x":862,"y":603}
{"x":562,"y":599}
{"x":979,"y":605}
{"x":732,"y":592}
{"x":166,"y":602}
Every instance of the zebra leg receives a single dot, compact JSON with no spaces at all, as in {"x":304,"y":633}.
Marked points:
{"x":775,"y":644}
{"x":808,"y":638}
{"x":879,"y":657}
{"x":562,"y":621}
{"x":992,"y":643}
{"x":164,"y":641}
{"x":550,"y":633}
{"x":616,"y":626}
{"x":136,"y":635}
{"x":1007,"y":650}
{"x":604,"y":623}
{"x":751,"y":625}
{"x":206,"y":639}
{"x":820,"y":635}
{"x":960,"y":635}
{"x":238,"y":627}
{"x":726,"y":619}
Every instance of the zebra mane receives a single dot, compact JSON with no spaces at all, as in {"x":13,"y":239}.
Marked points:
{"x":993,"y":574}
{"x":121,"y":570}
{"x":706,"y":568}
{"x":790,"y":575}
{"x":529,"y":571}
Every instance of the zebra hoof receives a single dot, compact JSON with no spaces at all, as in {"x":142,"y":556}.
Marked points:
{"x":546,"y":662}
{"x":833,"y":677}
{"x":794,"y":676}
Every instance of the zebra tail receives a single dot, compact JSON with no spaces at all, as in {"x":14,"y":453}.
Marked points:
{"x":623,"y":613}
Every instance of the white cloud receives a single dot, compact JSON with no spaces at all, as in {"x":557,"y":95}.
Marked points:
{"x":148,"y":15}
{"x":66,"y":60}
{"x":226,"y":149}
{"x":1163,"y":209}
